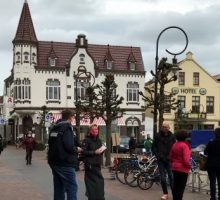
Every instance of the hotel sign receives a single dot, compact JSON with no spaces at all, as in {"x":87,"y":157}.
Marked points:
{"x":176,"y":90}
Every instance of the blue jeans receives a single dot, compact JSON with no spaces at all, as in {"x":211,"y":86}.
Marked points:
{"x":165,"y":169}
{"x":64,"y":179}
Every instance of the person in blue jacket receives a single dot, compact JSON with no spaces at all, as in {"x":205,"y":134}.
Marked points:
{"x":62,"y":157}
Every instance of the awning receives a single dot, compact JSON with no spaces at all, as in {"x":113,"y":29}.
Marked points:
{"x":86,"y":121}
{"x":83,"y":122}
{"x":120,"y":121}
{"x":56,"y":116}
{"x":100,"y":121}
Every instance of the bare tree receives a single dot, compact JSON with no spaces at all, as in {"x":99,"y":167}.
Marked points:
{"x":109,"y":108}
{"x":162,"y":77}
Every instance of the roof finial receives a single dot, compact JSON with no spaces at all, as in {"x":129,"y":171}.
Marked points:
{"x":25,"y":1}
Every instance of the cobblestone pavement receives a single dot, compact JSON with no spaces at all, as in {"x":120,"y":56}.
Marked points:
{"x":21,"y":182}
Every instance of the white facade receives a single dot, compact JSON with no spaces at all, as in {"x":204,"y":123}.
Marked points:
{"x":38,"y":65}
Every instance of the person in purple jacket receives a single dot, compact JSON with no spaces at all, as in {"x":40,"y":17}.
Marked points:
{"x":179,"y":157}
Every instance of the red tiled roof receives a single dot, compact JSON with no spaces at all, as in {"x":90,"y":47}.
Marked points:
{"x":25,"y":31}
{"x":64,"y":51}
{"x":217,"y":77}
{"x":108,"y":55}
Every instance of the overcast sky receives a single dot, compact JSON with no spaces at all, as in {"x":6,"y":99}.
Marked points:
{"x":124,"y":22}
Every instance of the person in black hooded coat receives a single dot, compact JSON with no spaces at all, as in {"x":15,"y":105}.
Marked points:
{"x":212,"y":151}
{"x":92,"y":151}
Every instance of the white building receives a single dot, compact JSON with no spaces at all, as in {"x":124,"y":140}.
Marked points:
{"x":42,"y":77}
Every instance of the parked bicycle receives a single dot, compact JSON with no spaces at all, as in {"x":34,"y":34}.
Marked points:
{"x":121,"y":167}
{"x":132,"y":174}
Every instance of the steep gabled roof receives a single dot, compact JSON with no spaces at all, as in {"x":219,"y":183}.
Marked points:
{"x":25,"y":30}
{"x":64,"y":52}
{"x":131,"y":57}
{"x":52,"y":53}
{"x":108,"y":55}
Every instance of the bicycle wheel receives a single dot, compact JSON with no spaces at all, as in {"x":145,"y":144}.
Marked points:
{"x":144,"y":182}
{"x":131,"y":176}
{"x":119,"y":172}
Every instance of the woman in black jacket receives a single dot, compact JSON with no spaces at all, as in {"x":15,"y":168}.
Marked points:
{"x":212,"y":151}
{"x":92,"y":151}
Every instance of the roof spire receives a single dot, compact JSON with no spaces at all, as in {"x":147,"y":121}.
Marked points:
{"x":131,"y":57}
{"x":108,"y":55}
{"x":25,"y":30}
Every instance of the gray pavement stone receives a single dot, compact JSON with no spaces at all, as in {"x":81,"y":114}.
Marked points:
{"x":21,"y":182}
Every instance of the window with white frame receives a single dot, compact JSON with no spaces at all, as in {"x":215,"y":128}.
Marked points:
{"x":52,"y":62}
{"x":53,"y":90}
{"x":167,"y":103}
{"x":26,"y":57}
{"x":195,"y":104}
{"x":81,"y":58}
{"x":80,"y":89}
{"x":210,"y":104}
{"x":33,"y":58}
{"x":109,"y":64}
{"x":132,"y":92}
{"x":18,"y":57}
{"x":195,"y":78}
{"x":132,"y":66}
{"x":181,"y":78}
{"x":22,"y":89}
{"x":181,"y":102}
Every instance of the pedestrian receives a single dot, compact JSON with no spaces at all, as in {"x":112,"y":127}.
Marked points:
{"x":62,"y":157}
{"x":92,"y":151}
{"x":180,"y":163}
{"x":212,"y":151}
{"x":161,"y":147}
{"x":29,"y":144}
{"x":132,"y":145}
{"x":148,"y":145}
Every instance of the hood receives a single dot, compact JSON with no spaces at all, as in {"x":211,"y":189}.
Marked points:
{"x":64,"y":124}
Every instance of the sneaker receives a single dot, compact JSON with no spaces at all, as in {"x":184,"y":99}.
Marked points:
{"x":164,"y":197}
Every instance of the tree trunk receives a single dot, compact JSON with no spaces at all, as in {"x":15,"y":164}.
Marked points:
{"x":108,"y":144}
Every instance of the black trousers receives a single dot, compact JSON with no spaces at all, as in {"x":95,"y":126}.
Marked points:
{"x":29,"y":156}
{"x":179,"y":184}
{"x":214,"y":174}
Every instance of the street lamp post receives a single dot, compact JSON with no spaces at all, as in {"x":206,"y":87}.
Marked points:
{"x":44,"y":109}
{"x":83,"y":74}
{"x":156,"y":71}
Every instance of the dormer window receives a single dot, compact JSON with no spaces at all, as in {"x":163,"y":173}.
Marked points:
{"x":131,"y":61}
{"x":132,"y":66}
{"x":81,"y":58}
{"x":108,"y":59}
{"x":52,"y":62}
{"x":18,"y":57}
{"x":109,"y":64}
{"x":26,"y":57}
